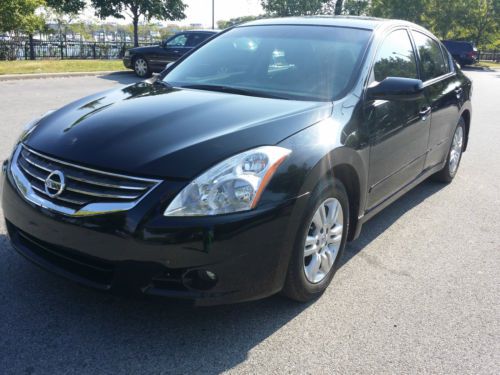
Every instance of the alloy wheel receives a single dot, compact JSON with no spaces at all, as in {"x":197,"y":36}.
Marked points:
{"x":141,"y":67}
{"x":456,"y":150}
{"x":323,"y":240}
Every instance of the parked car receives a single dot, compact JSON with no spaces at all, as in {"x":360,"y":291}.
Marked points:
{"x":465,"y":53}
{"x":241,"y":170}
{"x":146,"y":60}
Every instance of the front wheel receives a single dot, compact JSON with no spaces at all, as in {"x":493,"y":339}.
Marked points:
{"x":141,"y":67}
{"x":450,"y":169}
{"x":320,"y":242}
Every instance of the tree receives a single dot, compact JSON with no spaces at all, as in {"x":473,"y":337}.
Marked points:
{"x":20,"y":15}
{"x":235,"y":21}
{"x":149,"y":9}
{"x":410,"y":10}
{"x":66,"y":6}
{"x":284,"y":8}
{"x":356,"y":7}
{"x":483,"y":21}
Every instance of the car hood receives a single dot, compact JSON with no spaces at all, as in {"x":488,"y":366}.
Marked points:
{"x":143,"y":49}
{"x":148,"y":129}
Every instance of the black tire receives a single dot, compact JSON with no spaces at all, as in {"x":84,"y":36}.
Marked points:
{"x":297,"y":286}
{"x":141,"y":67}
{"x":446,"y":175}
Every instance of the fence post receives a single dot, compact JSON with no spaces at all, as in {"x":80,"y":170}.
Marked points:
{"x":61,"y":48}
{"x":32,"y":47}
{"x":26,"y":52}
{"x":93,"y":51}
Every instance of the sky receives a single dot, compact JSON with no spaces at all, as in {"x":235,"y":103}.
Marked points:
{"x":200,"y":11}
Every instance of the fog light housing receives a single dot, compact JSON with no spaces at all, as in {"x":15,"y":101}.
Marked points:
{"x":200,"y":279}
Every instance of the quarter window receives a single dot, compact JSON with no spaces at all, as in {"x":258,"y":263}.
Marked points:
{"x":431,"y":58}
{"x":395,"y":58}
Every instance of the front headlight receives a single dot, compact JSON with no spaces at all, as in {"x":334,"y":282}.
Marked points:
{"x":233,"y":185}
{"x":127,"y":53}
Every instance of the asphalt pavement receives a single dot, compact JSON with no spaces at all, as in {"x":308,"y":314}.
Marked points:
{"x":419,"y":291}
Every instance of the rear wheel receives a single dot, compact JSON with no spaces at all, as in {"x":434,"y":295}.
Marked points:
{"x":320,"y":242}
{"x":450,"y":169}
{"x":141,"y":67}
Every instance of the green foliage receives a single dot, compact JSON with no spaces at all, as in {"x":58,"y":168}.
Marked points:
{"x":410,"y":10}
{"x":19,"y":15}
{"x":473,"y":20}
{"x":235,"y":21}
{"x":284,"y":8}
{"x":356,"y":7}
{"x":149,"y":9}
{"x":66,"y":6}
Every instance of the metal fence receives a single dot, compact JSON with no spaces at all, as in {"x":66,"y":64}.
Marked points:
{"x":38,"y":50}
{"x":489,"y":55}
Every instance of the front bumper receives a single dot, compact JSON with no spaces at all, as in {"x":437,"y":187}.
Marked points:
{"x":141,"y":251}
{"x":127,"y":61}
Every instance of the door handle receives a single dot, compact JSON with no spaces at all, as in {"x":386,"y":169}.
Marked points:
{"x":458,"y":92}
{"x":424,"y":113}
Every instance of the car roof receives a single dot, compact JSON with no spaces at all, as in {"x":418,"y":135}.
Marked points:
{"x":369,"y":23}
{"x":211,"y":31}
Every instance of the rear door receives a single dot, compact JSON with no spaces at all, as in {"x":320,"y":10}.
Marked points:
{"x":443,"y":91}
{"x":399,"y":130}
{"x":195,"y":39}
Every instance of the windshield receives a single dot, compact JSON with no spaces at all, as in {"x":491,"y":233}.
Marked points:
{"x":290,"y":62}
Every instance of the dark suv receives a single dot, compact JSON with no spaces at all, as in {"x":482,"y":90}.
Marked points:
{"x":146,"y":60}
{"x":465,"y":53}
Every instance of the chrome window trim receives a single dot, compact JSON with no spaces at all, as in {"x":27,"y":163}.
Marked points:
{"x":26,"y":190}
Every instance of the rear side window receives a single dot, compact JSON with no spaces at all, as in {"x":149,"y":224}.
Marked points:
{"x":395,"y":58}
{"x":195,"y":38}
{"x":431,"y":58}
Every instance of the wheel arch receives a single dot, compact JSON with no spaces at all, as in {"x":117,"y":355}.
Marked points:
{"x":466,"y":115}
{"x":346,"y":165}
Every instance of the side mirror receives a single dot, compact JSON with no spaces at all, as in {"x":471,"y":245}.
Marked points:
{"x":396,"y":88}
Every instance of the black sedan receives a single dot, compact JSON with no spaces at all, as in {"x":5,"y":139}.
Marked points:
{"x":242,"y":170}
{"x":147,"y":60}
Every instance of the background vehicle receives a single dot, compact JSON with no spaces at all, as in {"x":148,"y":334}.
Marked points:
{"x":242,"y":170}
{"x":465,"y":53}
{"x":146,"y":60}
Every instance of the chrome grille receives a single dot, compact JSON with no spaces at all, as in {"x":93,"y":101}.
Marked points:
{"x":83,"y":186}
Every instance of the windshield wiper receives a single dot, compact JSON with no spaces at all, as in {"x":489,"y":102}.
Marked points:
{"x":163,"y":83}
{"x":234,"y":90}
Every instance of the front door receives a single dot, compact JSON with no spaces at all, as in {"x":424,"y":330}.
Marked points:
{"x":399,"y":129}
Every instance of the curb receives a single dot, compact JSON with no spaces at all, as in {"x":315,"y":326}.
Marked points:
{"x":13,"y":77}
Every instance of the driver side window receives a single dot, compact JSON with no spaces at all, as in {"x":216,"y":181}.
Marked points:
{"x":395,"y":57}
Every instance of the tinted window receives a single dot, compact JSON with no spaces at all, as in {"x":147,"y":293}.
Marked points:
{"x":295,"y":62}
{"x":395,"y":58}
{"x":431,"y":58}
{"x":178,"y":41}
{"x":195,"y":38}
{"x":447,"y":58}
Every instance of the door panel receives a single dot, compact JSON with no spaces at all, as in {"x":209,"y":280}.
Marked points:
{"x":443,"y":91}
{"x":399,"y":130}
{"x":443,"y":96}
{"x":399,"y":137}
